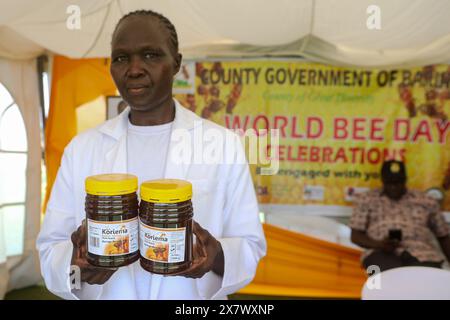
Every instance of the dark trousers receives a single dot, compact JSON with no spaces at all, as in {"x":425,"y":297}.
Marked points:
{"x":386,"y":261}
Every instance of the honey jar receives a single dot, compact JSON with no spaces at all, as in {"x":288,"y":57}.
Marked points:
{"x":165,"y":217}
{"x":112,"y":220}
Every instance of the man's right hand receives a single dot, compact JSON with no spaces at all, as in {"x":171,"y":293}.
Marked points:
{"x":89,"y":273}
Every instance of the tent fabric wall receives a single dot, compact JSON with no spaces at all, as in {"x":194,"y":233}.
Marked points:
{"x":303,"y":266}
{"x":20,"y":78}
{"x":411,"y":33}
{"x":74,"y":82}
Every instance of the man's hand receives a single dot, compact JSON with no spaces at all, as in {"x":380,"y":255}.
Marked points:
{"x":363,"y":240}
{"x":89,"y":273}
{"x":207,"y":255}
{"x":388,"y":245}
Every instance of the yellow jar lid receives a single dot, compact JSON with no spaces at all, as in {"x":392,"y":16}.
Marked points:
{"x":114,"y":184}
{"x":166,"y":191}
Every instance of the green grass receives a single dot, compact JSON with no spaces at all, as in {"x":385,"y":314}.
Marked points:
{"x":38,"y":292}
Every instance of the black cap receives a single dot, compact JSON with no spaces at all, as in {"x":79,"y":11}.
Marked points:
{"x":393,"y":171}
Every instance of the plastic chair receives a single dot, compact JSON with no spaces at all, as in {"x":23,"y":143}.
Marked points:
{"x":408,"y":283}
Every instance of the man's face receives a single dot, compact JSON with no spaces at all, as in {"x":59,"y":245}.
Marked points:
{"x":143,"y":63}
{"x":394,"y":190}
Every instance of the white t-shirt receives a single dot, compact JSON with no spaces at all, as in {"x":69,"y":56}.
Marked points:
{"x":147,"y":148}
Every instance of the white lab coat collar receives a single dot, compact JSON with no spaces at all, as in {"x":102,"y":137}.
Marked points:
{"x":116,"y":128}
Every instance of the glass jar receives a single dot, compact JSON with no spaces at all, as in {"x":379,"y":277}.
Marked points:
{"x":165,"y":214}
{"x":112,"y":220}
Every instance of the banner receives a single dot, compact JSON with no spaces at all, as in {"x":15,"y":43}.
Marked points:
{"x":336,"y":125}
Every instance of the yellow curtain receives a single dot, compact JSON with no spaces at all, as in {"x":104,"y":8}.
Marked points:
{"x":297,"y":265}
{"x":74,"y":82}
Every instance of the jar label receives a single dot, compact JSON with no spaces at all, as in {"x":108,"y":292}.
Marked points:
{"x":164,"y":245}
{"x":113,"y":238}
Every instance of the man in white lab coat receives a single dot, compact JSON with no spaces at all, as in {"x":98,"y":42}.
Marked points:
{"x":146,"y":140}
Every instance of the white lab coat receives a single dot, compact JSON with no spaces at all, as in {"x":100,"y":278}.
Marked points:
{"x":224,"y":203}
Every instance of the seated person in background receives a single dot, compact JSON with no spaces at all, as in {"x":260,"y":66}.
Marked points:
{"x":396,"y":224}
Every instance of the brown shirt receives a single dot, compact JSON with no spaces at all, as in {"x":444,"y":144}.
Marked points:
{"x":416,"y":214}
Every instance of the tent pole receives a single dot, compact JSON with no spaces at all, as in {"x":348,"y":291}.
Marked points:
{"x":41,"y":63}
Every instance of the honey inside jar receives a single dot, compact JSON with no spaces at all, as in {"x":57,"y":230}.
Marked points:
{"x":165,"y":214}
{"x":112,"y":220}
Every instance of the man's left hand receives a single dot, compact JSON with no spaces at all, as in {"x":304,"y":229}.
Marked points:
{"x":207,"y":255}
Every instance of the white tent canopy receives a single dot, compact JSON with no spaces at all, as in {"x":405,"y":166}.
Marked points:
{"x":412,"y":32}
